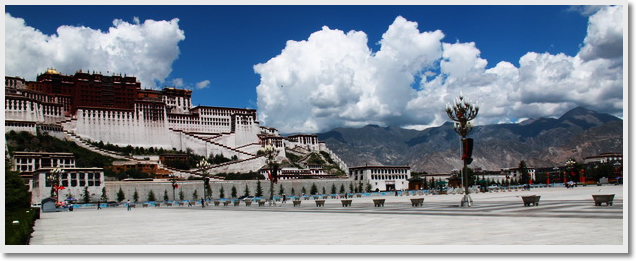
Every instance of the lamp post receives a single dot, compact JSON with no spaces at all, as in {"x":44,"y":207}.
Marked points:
{"x":203,"y":166}
{"x":54,"y":181}
{"x":270,"y":153}
{"x":570,"y":166}
{"x":462,"y":112}
{"x":173,"y":180}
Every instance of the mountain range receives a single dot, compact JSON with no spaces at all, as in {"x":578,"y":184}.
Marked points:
{"x":543,"y":142}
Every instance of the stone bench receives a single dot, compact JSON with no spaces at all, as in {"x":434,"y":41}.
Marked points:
{"x":346,"y":202}
{"x":217,"y":202}
{"x":600,"y":199}
{"x":378,"y":202}
{"x":320,"y":202}
{"x":531,"y":200}
{"x":226,"y":203}
{"x":417,"y":202}
{"x":296,"y":203}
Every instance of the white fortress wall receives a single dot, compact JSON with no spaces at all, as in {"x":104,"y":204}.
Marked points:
{"x":26,"y":109}
{"x":335,"y":158}
{"x":250,"y":165}
{"x":121,"y":128}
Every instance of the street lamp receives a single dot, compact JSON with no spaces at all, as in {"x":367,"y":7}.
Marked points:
{"x":462,"y":112}
{"x":569,"y":166}
{"x":173,"y":180}
{"x":54,"y":181}
{"x":203,"y":166}
{"x":270,"y":154}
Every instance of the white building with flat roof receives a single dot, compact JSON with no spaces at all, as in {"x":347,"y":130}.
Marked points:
{"x":382,"y":178}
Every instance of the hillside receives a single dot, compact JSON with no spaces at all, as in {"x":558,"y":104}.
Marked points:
{"x":540,"y":142}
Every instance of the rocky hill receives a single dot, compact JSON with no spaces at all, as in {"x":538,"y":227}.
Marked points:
{"x":540,"y":142}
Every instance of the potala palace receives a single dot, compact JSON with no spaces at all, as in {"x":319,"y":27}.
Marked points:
{"x":91,"y":107}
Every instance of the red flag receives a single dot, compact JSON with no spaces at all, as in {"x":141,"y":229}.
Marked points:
{"x":269,"y":175}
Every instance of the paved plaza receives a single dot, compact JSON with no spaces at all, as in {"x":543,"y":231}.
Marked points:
{"x":565,"y":217}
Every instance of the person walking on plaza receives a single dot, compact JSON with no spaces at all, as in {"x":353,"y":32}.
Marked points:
{"x":99,"y":205}
{"x":202,"y":203}
{"x":284,"y":198}
{"x":128,"y":204}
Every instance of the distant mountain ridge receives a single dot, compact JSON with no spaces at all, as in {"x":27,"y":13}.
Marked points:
{"x":540,"y":142}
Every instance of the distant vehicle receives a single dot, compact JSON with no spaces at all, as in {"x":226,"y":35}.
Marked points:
{"x":245,"y":197}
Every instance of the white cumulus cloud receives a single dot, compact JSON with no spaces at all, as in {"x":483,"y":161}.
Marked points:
{"x":203,"y":84}
{"x":145,"y":50}
{"x":333,"y":79}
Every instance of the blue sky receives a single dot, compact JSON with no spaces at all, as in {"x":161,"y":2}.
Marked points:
{"x":220,"y":46}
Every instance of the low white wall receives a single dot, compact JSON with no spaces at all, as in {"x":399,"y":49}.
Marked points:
{"x":188,"y":188}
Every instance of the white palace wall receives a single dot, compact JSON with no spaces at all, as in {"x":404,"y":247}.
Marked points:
{"x":121,"y":128}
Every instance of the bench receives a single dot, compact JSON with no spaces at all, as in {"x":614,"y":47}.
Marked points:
{"x":261,"y":203}
{"x":531,"y":200}
{"x":226,"y":203}
{"x":296,"y":203}
{"x":378,"y":202}
{"x":600,"y":199}
{"x":417,"y":202}
{"x":320,"y":202}
{"x":217,"y":202}
{"x":346,"y":202}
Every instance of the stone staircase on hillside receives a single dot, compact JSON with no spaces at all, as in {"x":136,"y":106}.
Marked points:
{"x":84,"y":144}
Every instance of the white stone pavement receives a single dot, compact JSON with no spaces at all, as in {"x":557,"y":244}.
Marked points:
{"x":566,"y":220}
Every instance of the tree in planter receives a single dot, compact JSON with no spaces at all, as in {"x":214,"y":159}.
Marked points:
{"x":359,"y":188}
{"x":281,"y":190}
{"x":369,"y":187}
{"x":165,"y":195}
{"x":524,"y":178}
{"x":333,"y":188}
{"x":151,"y":196}
{"x":304,"y":191}
{"x":120,"y":195}
{"x":292,"y":191}
{"x":342,"y":189}
{"x":259,"y":190}
{"x":181,"y":195}
{"x":233,"y":192}
{"x":247,"y":190}
{"x":351,"y":187}
{"x":195,"y":195}
{"x":104,"y":197}
{"x":324,"y":191}
{"x":222,"y":193}
{"x":136,"y":196}
{"x":313,"y":190}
